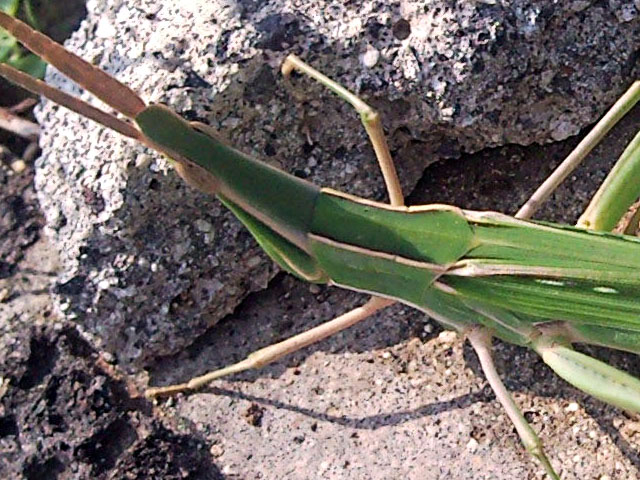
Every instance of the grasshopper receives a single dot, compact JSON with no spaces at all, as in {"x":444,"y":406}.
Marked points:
{"x":483,"y":275}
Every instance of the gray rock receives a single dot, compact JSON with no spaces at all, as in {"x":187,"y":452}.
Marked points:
{"x":148,"y":263}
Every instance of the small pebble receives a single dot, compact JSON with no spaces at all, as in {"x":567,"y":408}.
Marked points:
{"x":18,"y":166}
{"x":4,"y":386}
{"x":108,"y":357}
{"x":216,"y":450}
{"x":627,"y":13}
{"x":572,"y":407}
{"x":448,"y":336}
{"x":370,"y":57}
{"x":105,"y":29}
{"x":472,"y":445}
{"x":203,"y":226}
{"x":229,"y":471}
{"x":143,"y":160}
{"x":254,"y":261}
{"x":447,"y":113}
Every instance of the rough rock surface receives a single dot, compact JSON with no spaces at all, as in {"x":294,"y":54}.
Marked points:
{"x":148,"y":263}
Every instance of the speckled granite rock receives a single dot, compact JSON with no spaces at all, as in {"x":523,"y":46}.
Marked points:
{"x":148,"y":263}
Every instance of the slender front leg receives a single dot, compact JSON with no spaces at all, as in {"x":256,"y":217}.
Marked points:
{"x":370,"y":119}
{"x":480,"y":339}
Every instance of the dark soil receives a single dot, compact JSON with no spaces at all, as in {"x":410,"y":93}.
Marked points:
{"x":20,"y":218}
{"x":65,"y":414}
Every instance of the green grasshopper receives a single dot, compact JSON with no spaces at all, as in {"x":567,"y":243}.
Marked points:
{"x":481,"y":274}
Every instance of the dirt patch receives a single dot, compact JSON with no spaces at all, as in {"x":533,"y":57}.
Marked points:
{"x":66,"y":414}
{"x":20,"y":218}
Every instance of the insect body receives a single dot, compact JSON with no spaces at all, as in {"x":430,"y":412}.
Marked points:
{"x":481,"y":274}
